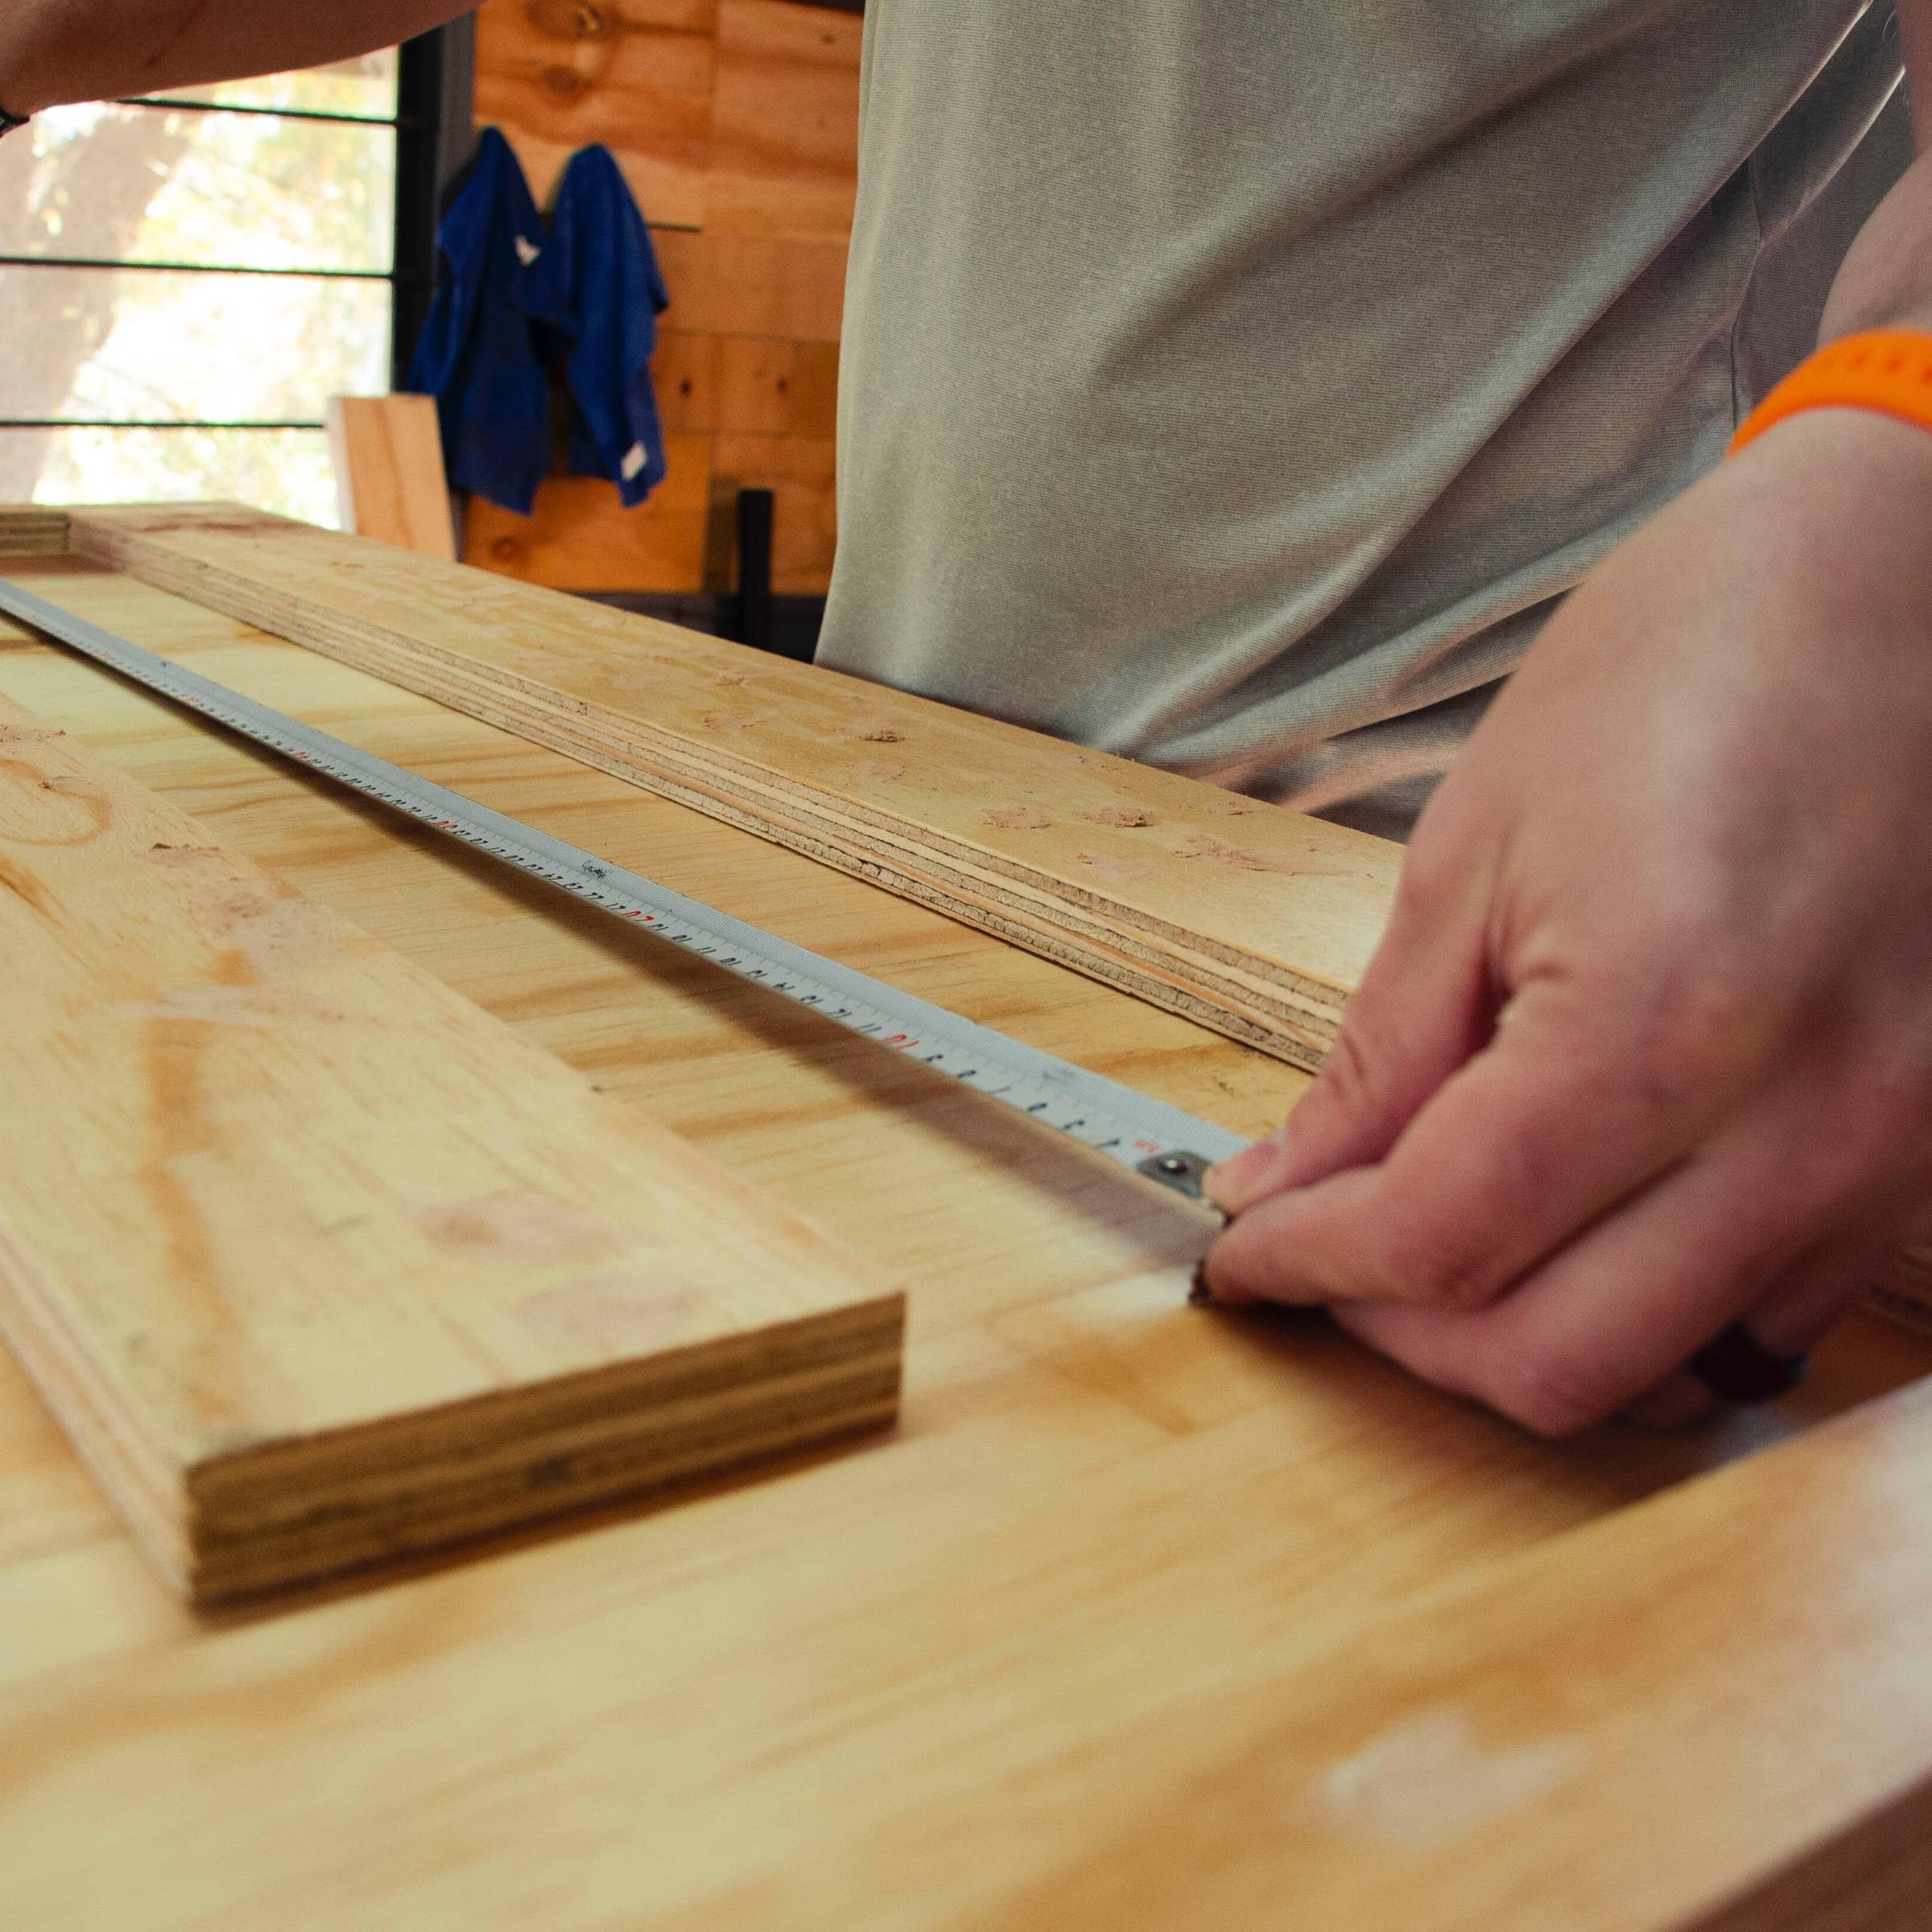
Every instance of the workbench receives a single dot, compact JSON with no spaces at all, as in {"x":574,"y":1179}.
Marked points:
{"x":1146,"y":1616}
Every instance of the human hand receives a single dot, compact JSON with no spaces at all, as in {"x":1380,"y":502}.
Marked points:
{"x":1647,"y":1048}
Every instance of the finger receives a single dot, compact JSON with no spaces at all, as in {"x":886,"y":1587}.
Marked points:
{"x":1621,"y":1310}
{"x":1556,"y":1121}
{"x":1790,"y":1319}
{"x":1421,"y":1011}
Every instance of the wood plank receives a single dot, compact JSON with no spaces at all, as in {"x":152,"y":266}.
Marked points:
{"x":556,"y":75}
{"x":580,"y":537}
{"x":387,"y":451}
{"x":1637,"y":1725}
{"x":901,"y":1688}
{"x":684,"y":373}
{"x":815,"y":390}
{"x":785,"y":121}
{"x":318,"y":1264}
{"x":754,"y":384}
{"x":755,"y":285}
{"x":1254,"y":920}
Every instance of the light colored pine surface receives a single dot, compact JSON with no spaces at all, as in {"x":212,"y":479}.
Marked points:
{"x":1253,"y":919}
{"x":320,"y":1264}
{"x":1072,"y":1634}
{"x":387,"y":451}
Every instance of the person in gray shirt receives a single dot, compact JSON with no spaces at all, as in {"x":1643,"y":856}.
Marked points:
{"x":1324,"y":399}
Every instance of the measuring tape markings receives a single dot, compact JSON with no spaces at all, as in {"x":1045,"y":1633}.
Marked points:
{"x":1131,"y":1128}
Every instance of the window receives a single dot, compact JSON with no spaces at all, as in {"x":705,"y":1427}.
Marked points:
{"x":185,"y":280}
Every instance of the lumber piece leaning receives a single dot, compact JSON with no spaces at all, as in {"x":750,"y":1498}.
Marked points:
{"x":387,"y":453}
{"x":321,"y":1264}
{"x":1254,"y":920}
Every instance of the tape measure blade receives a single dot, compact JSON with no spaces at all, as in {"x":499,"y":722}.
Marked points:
{"x":1130,"y":1127}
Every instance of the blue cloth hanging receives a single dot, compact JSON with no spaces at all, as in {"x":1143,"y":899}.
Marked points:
{"x":605,"y":260}
{"x":481,"y":354}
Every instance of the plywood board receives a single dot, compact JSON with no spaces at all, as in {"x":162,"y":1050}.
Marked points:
{"x":1141,"y":1587}
{"x":556,"y":75}
{"x":785,"y":121}
{"x":755,"y":285}
{"x":579,"y":536}
{"x":1255,"y":920}
{"x":317,"y":1262}
{"x":391,"y":485}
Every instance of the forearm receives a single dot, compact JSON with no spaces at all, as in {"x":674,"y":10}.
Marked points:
{"x":57,"y":51}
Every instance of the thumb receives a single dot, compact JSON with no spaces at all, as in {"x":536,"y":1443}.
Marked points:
{"x":1426,"y":1005}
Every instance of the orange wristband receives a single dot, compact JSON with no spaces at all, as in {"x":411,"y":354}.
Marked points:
{"x":1886,"y":370}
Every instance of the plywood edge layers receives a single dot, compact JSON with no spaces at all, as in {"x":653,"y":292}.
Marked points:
{"x":26,"y":529}
{"x":1290,"y":1009}
{"x":267,"y":1193}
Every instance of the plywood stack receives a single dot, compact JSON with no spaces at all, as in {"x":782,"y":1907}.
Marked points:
{"x":319,"y":1264}
{"x":1170,"y":888}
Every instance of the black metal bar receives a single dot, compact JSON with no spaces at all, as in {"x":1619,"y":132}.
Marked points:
{"x":7,"y":423}
{"x":282,"y":113}
{"x":196,"y":268}
{"x":754,"y":568}
{"x":434,"y":136}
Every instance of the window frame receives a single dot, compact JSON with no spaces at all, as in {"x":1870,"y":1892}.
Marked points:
{"x":435,"y":100}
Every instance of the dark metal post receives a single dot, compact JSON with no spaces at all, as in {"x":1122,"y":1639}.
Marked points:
{"x":435,"y":107}
{"x":754,"y":625}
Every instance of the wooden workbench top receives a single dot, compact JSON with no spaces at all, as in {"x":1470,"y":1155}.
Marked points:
{"x":1013,"y":1666}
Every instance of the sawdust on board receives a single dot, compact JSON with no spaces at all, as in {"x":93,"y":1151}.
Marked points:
{"x":1204,"y":846}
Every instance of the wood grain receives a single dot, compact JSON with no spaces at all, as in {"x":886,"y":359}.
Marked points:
{"x":1166,"y":887}
{"x":320,"y":1264}
{"x":579,"y":536}
{"x":755,"y":285}
{"x":785,"y":121}
{"x":1118,"y":1543}
{"x":387,"y":451}
{"x":556,"y":75}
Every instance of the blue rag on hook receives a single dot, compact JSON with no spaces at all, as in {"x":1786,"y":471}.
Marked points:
{"x":605,"y":261}
{"x":480,"y":352}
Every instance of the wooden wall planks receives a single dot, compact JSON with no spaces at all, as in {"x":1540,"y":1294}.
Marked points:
{"x":317,"y":1262}
{"x":582,"y":538}
{"x":736,"y":122}
{"x":784,"y":131}
{"x":635,"y":74}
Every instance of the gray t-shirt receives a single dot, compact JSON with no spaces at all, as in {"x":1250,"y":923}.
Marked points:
{"x":1233,"y":384}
